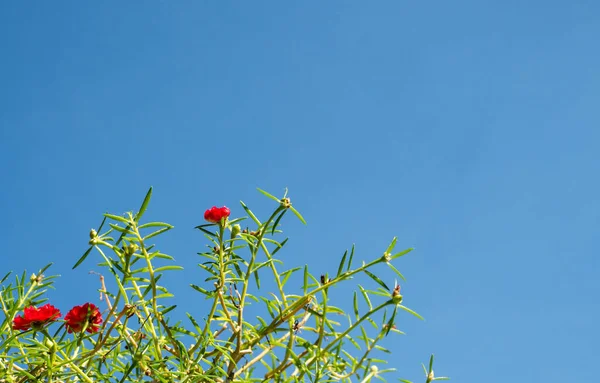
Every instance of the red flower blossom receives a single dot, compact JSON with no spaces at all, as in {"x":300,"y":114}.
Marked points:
{"x":214,"y":214}
{"x":36,"y":318}
{"x":86,"y":317}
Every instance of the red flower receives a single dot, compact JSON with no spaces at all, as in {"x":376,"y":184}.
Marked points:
{"x":214,"y":214}
{"x":86,"y":317}
{"x":36,"y":317}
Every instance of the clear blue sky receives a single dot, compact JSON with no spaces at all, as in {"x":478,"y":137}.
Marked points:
{"x":469,"y":129}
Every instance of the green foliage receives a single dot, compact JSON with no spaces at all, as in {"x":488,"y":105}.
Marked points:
{"x":296,"y":338}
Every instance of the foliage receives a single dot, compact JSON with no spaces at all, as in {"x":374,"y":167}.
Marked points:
{"x":297,"y":338}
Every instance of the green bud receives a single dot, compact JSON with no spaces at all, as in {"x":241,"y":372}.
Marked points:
{"x":131,"y":248}
{"x":50,"y":344}
{"x":397,"y":299}
{"x":235,"y":230}
{"x":93,"y":234}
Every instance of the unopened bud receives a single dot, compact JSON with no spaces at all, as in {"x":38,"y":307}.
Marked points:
{"x":430,"y":376}
{"x":286,"y":203}
{"x":93,"y":234}
{"x":235,"y":230}
{"x":50,"y":344}
{"x":131,"y":248}
{"x":374,"y":369}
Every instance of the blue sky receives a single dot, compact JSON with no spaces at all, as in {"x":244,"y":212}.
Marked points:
{"x":469,"y":129}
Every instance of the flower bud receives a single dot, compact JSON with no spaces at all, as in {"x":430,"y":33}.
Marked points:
{"x":50,"y":344}
{"x":235,"y":230}
{"x":93,"y":234}
{"x":131,"y":248}
{"x":430,"y":376}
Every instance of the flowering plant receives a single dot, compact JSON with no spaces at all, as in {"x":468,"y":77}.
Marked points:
{"x":295,"y":336}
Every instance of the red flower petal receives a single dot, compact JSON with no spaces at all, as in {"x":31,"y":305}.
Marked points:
{"x":36,"y":317}
{"x":87,"y":316}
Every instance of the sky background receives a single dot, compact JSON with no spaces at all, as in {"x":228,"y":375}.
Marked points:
{"x":469,"y":129}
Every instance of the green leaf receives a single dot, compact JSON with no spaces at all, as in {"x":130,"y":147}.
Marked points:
{"x":277,"y":221}
{"x":392,"y":245}
{"x":257,"y":279}
{"x":169,"y":267}
{"x":403,"y":252}
{"x":305,"y":287}
{"x":155,"y":224}
{"x":351,"y":256}
{"x":170,"y":308}
{"x":202,"y":229}
{"x":5,"y":277}
{"x":157,"y":232}
{"x":390,"y":323}
{"x":117,"y":218}
{"x":342,"y":262}
{"x":144,"y":205}
{"x":101,"y":225}
{"x":297,"y":213}
{"x":431,"y":363}
{"x":410,"y":311}
{"x":366,"y":338}
{"x":376,"y":279}
{"x":83,"y":257}
{"x":201,"y":290}
{"x":268,"y":195}
{"x":250,"y":213}
{"x":396,"y":271}
{"x":356,"y":305}
{"x":366,"y":296}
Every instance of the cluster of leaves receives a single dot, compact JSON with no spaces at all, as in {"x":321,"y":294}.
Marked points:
{"x":296,"y":339}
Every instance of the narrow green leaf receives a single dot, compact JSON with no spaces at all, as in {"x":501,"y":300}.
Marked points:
{"x":279,"y":246}
{"x":117,"y":218}
{"x":305,"y":287}
{"x":169,"y":267}
{"x":5,"y":277}
{"x":396,"y":271}
{"x":144,"y":205}
{"x":351,"y":256}
{"x":390,"y":323}
{"x":268,"y":195}
{"x":392,"y":245}
{"x":342,"y":263}
{"x":297,"y":213}
{"x":155,"y":224}
{"x":410,"y":311}
{"x":277,"y":221}
{"x":356,"y":305}
{"x":366,"y":296}
{"x":431,"y":363}
{"x":201,"y":290}
{"x":376,"y":279}
{"x":83,"y":257}
{"x":202,"y":229}
{"x":101,"y":224}
{"x":366,"y":338}
{"x":257,"y":279}
{"x":43,"y":269}
{"x":168,"y":309}
{"x":157,"y":232}
{"x":250,"y":213}
{"x":403,"y":252}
